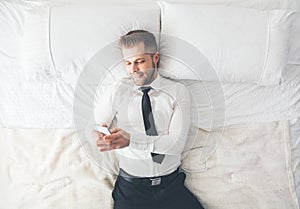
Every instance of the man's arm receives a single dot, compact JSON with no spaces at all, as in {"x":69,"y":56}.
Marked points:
{"x":172,"y":143}
{"x":104,"y":114}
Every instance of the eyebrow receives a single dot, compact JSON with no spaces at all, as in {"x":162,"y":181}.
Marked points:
{"x":142,"y":58}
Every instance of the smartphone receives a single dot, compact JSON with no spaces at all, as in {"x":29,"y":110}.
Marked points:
{"x":103,"y":130}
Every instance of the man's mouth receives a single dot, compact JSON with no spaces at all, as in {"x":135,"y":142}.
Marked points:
{"x":137,"y":75}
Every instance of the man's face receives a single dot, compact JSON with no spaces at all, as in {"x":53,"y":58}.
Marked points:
{"x":140,"y":65}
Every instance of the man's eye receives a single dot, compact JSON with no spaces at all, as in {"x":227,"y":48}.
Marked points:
{"x":127,"y":63}
{"x":140,"y":61}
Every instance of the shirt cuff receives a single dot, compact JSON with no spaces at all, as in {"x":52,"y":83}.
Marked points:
{"x":140,"y":141}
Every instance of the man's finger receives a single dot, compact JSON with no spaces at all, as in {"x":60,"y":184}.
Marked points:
{"x":113,"y":136}
{"x":114,"y":130}
{"x":99,"y":134}
{"x":101,"y":144}
{"x":114,"y":142}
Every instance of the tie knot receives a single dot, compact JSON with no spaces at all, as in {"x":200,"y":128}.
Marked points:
{"x":145,"y":90}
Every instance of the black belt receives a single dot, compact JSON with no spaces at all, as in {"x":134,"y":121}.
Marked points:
{"x":148,"y":181}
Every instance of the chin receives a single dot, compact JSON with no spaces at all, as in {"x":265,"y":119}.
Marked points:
{"x":139,"y":82}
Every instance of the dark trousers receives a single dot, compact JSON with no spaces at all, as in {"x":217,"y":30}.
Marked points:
{"x":172,"y":195}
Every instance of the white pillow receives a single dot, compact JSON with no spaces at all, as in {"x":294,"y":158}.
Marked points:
{"x":224,"y":43}
{"x":294,"y":52}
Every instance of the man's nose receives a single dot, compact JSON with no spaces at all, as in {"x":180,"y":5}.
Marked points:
{"x":134,"y":68}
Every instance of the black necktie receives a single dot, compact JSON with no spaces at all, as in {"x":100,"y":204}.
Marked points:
{"x":149,"y":121}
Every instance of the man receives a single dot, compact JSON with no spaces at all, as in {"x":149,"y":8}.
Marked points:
{"x":152,"y":116}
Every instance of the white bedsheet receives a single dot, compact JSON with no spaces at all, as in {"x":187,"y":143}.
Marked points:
{"x":236,"y":103}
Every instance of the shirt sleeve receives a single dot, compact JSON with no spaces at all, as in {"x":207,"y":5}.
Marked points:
{"x":172,"y":143}
{"x":104,"y":111}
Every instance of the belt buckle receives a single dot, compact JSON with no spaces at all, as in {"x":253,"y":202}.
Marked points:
{"x":155,"y":181}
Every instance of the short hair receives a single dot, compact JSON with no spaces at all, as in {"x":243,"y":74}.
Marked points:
{"x":136,"y":36}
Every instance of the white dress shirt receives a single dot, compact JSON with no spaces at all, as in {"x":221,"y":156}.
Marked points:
{"x":170,"y":102}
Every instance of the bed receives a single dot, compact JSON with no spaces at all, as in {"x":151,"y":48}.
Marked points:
{"x":239,"y":59}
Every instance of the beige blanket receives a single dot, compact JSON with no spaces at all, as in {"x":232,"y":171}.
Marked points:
{"x":47,"y":169}
{"x":250,"y":168}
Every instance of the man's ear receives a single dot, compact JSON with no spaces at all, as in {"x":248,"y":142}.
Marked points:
{"x":156,"y":57}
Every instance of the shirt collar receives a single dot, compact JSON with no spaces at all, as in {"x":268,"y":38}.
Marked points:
{"x":154,"y":85}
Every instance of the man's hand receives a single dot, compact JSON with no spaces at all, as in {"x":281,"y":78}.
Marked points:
{"x":116,"y":140}
{"x":100,"y":142}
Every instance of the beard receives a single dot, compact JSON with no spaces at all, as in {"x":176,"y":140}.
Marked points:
{"x":141,"y":75}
